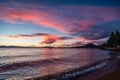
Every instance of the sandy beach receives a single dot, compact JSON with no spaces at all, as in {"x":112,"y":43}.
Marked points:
{"x":109,"y":72}
{"x":112,"y":76}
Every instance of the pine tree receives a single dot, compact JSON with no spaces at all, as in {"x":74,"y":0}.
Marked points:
{"x":112,"y":34}
{"x":114,"y":39}
{"x":117,"y":33}
{"x":118,"y":37}
{"x":111,"y":40}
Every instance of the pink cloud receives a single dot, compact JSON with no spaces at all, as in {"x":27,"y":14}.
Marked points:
{"x":50,"y":38}
{"x":55,"y":38}
{"x":47,"y":38}
{"x":67,"y":19}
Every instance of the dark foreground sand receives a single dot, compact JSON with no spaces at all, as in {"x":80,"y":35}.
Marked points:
{"x":110,"y":72}
{"x":114,"y":75}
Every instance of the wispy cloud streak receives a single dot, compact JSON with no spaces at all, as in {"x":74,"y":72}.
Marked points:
{"x":87,"y":24}
{"x":68,"y":19}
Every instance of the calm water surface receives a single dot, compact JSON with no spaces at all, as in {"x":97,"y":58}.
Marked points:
{"x":22,"y":63}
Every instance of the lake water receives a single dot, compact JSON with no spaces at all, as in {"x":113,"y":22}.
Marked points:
{"x":23,"y":63}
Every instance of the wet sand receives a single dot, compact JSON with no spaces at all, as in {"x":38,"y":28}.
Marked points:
{"x":114,"y":75}
{"x":110,"y":72}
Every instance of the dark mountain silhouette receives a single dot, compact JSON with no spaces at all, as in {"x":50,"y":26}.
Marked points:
{"x":15,"y":47}
{"x":90,"y":45}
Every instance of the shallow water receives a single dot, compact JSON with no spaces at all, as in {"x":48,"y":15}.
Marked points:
{"x":22,"y":63}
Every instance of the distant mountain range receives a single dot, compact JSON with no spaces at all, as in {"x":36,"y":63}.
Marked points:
{"x":14,"y":47}
{"x":85,"y":46}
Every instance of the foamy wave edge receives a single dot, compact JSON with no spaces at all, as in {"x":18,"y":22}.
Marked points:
{"x":71,"y":75}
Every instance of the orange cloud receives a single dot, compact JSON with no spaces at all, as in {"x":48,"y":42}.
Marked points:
{"x":52,"y":39}
{"x":47,"y":38}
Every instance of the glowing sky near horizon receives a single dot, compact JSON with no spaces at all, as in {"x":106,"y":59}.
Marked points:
{"x":57,"y":22}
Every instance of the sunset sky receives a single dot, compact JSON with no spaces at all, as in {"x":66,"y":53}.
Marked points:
{"x":57,"y":22}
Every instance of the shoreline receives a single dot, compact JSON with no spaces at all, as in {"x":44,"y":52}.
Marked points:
{"x":112,"y":76}
{"x":112,"y":68}
{"x":111,"y":49}
{"x":71,"y":74}
{"x":96,"y":71}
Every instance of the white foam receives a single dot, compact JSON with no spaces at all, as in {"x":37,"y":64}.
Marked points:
{"x":78,"y":73}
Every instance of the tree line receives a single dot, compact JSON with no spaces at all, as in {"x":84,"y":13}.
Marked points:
{"x":113,"y":41}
